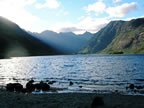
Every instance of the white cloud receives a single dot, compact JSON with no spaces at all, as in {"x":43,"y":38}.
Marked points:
{"x":98,"y":7}
{"x":14,"y":10}
{"x":59,"y":26}
{"x":86,"y":24}
{"x":92,"y":24}
{"x":80,"y":18}
{"x":122,"y":10}
{"x":48,"y":4}
{"x":62,"y":12}
{"x":116,"y":1}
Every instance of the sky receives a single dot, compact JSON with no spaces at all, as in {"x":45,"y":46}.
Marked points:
{"x":76,"y":16}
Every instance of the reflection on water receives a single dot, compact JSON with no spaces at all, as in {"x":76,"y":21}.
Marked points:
{"x":92,"y":72}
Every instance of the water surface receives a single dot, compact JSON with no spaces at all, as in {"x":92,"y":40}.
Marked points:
{"x":92,"y":72}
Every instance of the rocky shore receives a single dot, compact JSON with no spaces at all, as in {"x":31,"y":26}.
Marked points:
{"x":16,"y":96}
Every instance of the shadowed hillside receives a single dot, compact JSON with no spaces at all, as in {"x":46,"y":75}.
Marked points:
{"x":65,"y":42}
{"x":16,"y":42}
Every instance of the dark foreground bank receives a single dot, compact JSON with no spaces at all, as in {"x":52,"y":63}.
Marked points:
{"x":68,"y":100}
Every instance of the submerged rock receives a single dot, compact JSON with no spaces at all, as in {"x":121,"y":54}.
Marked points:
{"x":131,"y":86}
{"x":51,"y":82}
{"x":71,"y":83}
{"x":139,"y":87}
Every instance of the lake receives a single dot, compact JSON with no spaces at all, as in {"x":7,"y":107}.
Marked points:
{"x":89,"y":73}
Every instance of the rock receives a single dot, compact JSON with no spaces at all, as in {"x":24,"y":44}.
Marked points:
{"x":30,"y":86}
{"x":31,"y":81}
{"x":37,"y":86}
{"x":42,"y":86}
{"x":10,"y":87}
{"x":139,"y":87}
{"x":127,"y":88}
{"x":116,"y":91}
{"x":51,"y":82}
{"x":45,"y":87}
{"x":98,"y":101}
{"x":80,"y":86}
{"x":131,"y":86}
{"x":135,"y":91}
{"x":14,"y":87}
{"x":71,"y":83}
{"x":18,"y":87}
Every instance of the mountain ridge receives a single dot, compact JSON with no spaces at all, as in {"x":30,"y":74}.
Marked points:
{"x":118,"y":36}
{"x":66,"y":42}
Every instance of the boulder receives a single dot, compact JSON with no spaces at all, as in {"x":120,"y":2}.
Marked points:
{"x":17,"y":87}
{"x":45,"y":87}
{"x":37,"y":86}
{"x":30,"y":86}
{"x":10,"y":87}
{"x":42,"y":86}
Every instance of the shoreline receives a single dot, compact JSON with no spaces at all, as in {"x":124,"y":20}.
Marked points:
{"x":67,"y":100}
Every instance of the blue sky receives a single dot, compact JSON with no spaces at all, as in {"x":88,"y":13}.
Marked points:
{"x":75,"y":16}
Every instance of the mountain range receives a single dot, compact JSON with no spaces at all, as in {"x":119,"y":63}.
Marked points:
{"x":16,"y":42}
{"x":66,"y":42}
{"x":118,"y":37}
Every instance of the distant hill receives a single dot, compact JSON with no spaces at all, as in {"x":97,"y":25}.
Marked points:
{"x":16,"y":42}
{"x":67,"y":42}
{"x":118,"y":36}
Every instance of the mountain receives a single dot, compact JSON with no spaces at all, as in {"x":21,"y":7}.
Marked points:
{"x":118,"y":37}
{"x":66,"y":42}
{"x":16,"y":42}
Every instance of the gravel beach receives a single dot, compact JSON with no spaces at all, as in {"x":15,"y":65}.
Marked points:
{"x":68,"y":100}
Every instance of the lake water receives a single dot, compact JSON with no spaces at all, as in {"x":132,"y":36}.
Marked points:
{"x":89,"y":73}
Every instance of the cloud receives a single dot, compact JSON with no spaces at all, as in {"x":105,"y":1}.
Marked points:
{"x":122,"y":10}
{"x":116,"y":1}
{"x":48,"y":4}
{"x":90,"y":24}
{"x":15,"y":11}
{"x":58,"y":27}
{"x":97,"y":7}
{"x":71,"y":29}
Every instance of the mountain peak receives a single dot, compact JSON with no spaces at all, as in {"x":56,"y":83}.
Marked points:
{"x":87,"y":33}
{"x":48,"y":32}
